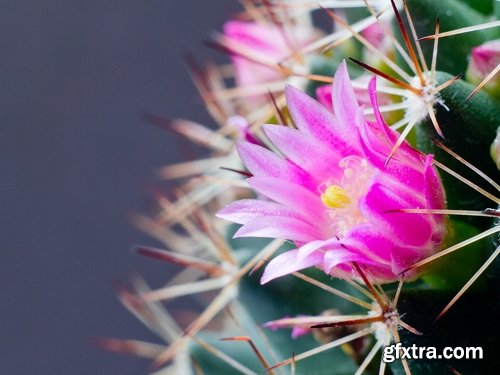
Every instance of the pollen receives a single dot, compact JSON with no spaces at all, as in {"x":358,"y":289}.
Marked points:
{"x":335,"y":197}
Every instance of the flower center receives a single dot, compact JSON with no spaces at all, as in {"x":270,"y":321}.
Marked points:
{"x":341,"y":197}
{"x":335,"y":197}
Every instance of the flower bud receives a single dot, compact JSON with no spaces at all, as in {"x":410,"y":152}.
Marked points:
{"x":483,"y":60}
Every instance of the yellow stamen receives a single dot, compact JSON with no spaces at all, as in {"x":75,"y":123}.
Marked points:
{"x":335,"y":197}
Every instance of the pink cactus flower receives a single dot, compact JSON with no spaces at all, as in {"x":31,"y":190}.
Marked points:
{"x":266,"y":43}
{"x":483,"y":60}
{"x":297,"y":330}
{"x":324,"y":95}
{"x":333,"y":195}
{"x":378,"y":35}
{"x":242,"y":128}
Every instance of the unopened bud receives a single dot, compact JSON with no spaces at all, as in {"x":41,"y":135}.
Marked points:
{"x":483,"y":60}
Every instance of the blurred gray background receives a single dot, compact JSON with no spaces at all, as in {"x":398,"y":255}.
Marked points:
{"x":76,"y":158}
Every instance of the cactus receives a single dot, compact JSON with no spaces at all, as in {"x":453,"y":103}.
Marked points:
{"x":317,"y":234}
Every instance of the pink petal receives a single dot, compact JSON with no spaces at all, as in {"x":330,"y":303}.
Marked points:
{"x":375,"y":34}
{"x":384,"y":256}
{"x":312,"y":118}
{"x":311,"y":247}
{"x":369,"y":241}
{"x":244,"y":210}
{"x":413,"y":230}
{"x":435,"y":198}
{"x":287,"y":263}
{"x":344,"y":99}
{"x":324,"y":96}
{"x":434,"y":191}
{"x":243,"y":128}
{"x":338,"y":256}
{"x":305,"y":151}
{"x":405,"y":259}
{"x":255,"y":36}
{"x":262,"y":162}
{"x":372,"y":91}
{"x":377,"y":141}
{"x":278,"y":227}
{"x":484,"y":59}
{"x":291,"y":195}
{"x":376,"y":151}
{"x":385,"y":136}
{"x":300,"y":331}
{"x":263,"y":40}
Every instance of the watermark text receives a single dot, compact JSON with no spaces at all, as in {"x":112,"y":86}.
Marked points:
{"x":398,"y":351}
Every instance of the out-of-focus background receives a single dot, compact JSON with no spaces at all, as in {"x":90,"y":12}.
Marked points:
{"x":76,"y":157}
